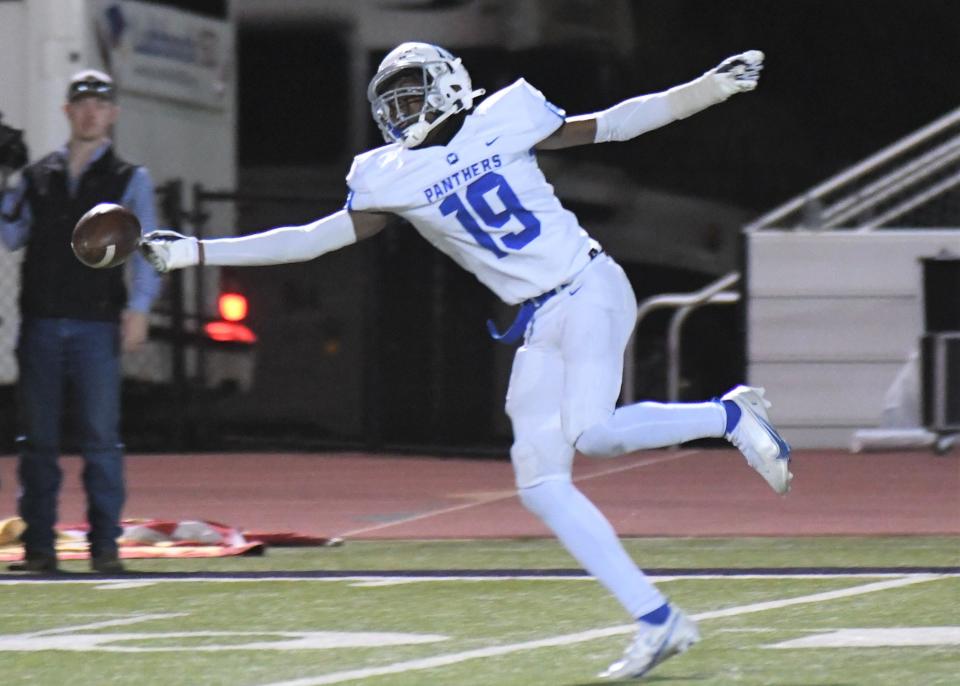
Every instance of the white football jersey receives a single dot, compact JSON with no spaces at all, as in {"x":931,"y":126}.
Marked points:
{"x":482,"y":198}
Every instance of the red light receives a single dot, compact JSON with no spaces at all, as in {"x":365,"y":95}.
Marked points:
{"x":232,"y":306}
{"x":229,"y":331}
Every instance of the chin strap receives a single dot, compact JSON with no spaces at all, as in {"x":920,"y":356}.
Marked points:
{"x":417,"y":132}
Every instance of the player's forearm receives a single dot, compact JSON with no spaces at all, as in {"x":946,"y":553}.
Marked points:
{"x":633,"y":117}
{"x":737,"y":74}
{"x":282,"y":245}
{"x":621,"y":122}
{"x":636,"y":116}
{"x":167,"y":250}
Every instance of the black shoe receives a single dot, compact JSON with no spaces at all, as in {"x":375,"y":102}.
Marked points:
{"x":108,"y":563}
{"x":36,"y":564}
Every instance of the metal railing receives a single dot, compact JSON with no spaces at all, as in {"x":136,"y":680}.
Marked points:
{"x":855,"y":197}
{"x":685,"y":304}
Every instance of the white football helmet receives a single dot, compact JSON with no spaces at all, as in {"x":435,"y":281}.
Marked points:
{"x":433,"y":76}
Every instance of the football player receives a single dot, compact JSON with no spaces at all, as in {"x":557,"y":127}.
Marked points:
{"x":466,"y":177}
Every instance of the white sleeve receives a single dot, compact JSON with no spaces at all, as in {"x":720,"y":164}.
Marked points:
{"x":635,"y":116}
{"x":631,"y":118}
{"x":281,"y":245}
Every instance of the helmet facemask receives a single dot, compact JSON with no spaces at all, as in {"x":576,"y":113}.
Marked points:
{"x":442,"y":87}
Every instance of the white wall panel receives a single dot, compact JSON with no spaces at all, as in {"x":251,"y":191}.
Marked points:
{"x":833,"y":328}
{"x":825,"y":393}
{"x":832,"y":318}
{"x":828,"y":264}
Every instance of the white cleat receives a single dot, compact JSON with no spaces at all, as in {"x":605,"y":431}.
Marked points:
{"x":653,"y":644}
{"x":764,"y":448}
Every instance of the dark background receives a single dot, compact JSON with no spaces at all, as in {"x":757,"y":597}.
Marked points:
{"x":842,"y":79}
{"x":392,"y":331}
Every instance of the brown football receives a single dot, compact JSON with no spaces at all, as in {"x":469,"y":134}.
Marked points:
{"x":106,"y":236}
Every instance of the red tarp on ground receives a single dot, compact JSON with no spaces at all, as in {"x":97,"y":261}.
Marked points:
{"x":156,"y":538}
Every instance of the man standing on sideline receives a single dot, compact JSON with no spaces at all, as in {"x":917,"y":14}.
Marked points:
{"x":75,"y":321}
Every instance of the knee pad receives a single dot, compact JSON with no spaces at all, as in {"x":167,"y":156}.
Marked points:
{"x":541,"y":457}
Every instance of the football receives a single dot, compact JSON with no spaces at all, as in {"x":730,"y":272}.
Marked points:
{"x":106,"y":236}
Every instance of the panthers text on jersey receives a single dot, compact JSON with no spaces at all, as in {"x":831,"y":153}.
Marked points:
{"x":482,"y":198}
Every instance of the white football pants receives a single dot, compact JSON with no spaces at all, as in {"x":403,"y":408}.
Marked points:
{"x":566,"y":379}
{"x":566,"y":376}
{"x":563,"y":390}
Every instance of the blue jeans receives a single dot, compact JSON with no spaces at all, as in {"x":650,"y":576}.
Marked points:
{"x":78,"y":361}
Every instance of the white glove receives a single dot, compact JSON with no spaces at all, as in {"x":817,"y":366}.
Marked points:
{"x":169,"y":250}
{"x":740,"y":73}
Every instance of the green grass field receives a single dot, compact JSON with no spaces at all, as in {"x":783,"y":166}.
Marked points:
{"x":508,"y":631}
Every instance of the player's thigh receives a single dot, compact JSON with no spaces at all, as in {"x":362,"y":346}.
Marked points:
{"x":596,"y":330}
{"x":540,"y":451}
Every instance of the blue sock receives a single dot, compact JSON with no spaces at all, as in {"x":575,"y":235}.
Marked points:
{"x":658,"y":616}
{"x":733,"y":414}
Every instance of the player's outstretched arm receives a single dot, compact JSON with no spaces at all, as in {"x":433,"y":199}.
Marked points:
{"x":635,"y":116}
{"x":168,"y":250}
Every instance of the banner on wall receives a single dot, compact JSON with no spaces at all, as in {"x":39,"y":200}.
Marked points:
{"x":163,"y":52}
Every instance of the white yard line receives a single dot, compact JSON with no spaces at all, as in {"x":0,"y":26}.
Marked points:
{"x":374,"y":582}
{"x":504,"y":495}
{"x":135,"y":619}
{"x":61,"y":615}
{"x":819,"y":597}
{"x":393,"y":579}
{"x":581,"y":637}
{"x":123,"y":585}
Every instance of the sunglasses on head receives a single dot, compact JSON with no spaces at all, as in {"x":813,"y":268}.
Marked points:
{"x":96,"y":88}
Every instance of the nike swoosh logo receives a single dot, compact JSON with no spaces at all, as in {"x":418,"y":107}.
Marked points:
{"x":782,"y":447}
{"x":575,"y":290}
{"x":493,"y":140}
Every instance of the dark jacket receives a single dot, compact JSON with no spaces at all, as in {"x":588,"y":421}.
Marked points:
{"x":54,"y":283}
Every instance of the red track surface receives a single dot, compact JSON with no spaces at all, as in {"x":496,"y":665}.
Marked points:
{"x":655,"y":493}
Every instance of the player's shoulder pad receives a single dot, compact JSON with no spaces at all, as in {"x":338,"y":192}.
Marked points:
{"x":519,"y":95}
{"x":366,"y":165}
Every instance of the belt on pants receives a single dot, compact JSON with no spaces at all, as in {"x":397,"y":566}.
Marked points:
{"x":527,"y":309}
